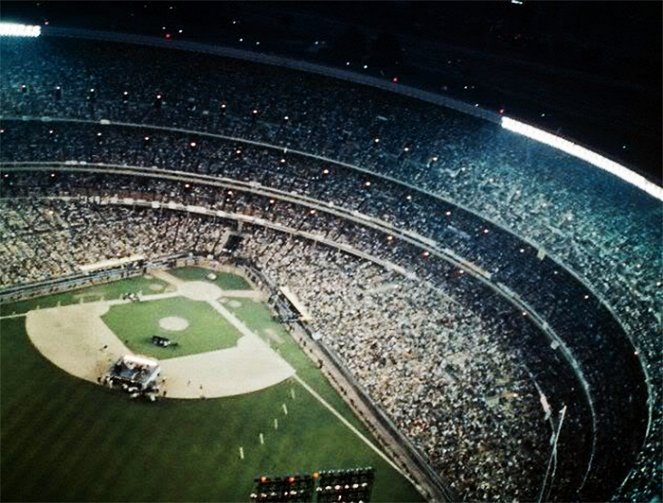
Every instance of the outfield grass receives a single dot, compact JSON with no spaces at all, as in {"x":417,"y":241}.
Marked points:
{"x":137,"y":322}
{"x":224,"y":280}
{"x":114,"y":290}
{"x":64,"y":439}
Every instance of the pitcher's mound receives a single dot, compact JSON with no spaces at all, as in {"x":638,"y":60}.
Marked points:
{"x":173,"y":323}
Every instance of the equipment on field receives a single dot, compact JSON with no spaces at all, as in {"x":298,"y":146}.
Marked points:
{"x":163,"y":342}
{"x":134,"y":374}
{"x":133,"y":297}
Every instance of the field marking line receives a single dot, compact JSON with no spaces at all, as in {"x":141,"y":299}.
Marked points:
{"x":159,"y":296}
{"x":167,"y":277}
{"x":246,"y":331}
{"x":238,"y":324}
{"x":8,"y":316}
{"x":143,"y":298}
{"x":351,"y":427}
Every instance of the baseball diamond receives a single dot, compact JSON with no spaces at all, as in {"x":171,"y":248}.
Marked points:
{"x":255,"y":375}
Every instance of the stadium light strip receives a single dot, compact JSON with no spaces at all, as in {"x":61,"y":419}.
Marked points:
{"x":19,"y":30}
{"x":585,"y":154}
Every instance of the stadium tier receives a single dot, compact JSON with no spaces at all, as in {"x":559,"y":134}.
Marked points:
{"x":497,"y":300}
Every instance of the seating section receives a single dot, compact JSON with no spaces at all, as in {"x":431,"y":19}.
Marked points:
{"x":399,"y":180}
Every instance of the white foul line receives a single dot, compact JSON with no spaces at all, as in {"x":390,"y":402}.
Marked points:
{"x":354,"y":430}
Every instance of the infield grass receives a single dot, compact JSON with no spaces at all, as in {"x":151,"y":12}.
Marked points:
{"x":64,"y":439}
{"x":135,"y":323}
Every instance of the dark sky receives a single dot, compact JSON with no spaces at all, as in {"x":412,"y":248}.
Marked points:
{"x":599,"y":33}
{"x":532,"y":59}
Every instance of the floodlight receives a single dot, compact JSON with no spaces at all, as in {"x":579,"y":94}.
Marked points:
{"x":19,"y":30}
{"x":585,"y":154}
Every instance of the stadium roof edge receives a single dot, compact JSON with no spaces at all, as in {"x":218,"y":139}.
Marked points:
{"x":280,"y":61}
{"x":626,"y":174}
{"x":584,"y":154}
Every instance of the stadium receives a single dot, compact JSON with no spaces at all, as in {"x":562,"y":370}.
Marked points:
{"x":285,"y":281}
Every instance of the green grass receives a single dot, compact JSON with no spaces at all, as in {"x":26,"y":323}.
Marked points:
{"x":106,"y":291}
{"x":224,"y":280}
{"x":135,"y":323}
{"x":64,"y":439}
{"x":257,"y":317}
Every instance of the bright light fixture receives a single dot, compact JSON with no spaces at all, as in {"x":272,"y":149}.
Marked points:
{"x":585,"y":154}
{"x":19,"y":30}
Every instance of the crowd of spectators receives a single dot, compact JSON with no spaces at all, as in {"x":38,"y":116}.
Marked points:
{"x":44,"y":239}
{"x":470,"y":162}
{"x":557,"y":382}
{"x":605,"y":231}
{"x":449,"y":379}
{"x":451,"y":382}
{"x":587,"y":220}
{"x":567,"y":305}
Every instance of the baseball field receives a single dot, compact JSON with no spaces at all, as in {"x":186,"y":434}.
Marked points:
{"x":246,"y":402}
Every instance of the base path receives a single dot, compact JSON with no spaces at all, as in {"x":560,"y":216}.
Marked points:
{"x":204,"y":290}
{"x":76,"y":339}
